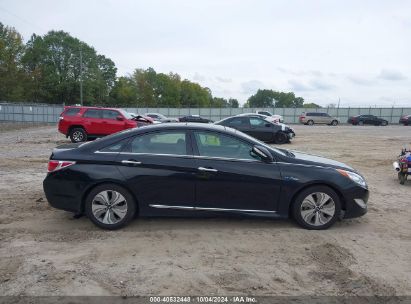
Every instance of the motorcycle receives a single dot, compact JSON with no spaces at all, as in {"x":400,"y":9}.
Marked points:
{"x":403,"y":165}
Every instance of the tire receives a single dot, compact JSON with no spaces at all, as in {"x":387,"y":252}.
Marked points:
{"x":308,"y":212}
{"x":360,"y":123}
{"x":280,"y":138}
{"x":334,"y":123}
{"x":384,"y":123}
{"x":402,"y":178}
{"x":310,"y":122}
{"x":110,"y":206}
{"x":78,"y":135}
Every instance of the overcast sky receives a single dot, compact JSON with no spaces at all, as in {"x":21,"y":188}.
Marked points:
{"x":355,"y":50}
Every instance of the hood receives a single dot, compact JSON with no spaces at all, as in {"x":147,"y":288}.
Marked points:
{"x":309,"y":159}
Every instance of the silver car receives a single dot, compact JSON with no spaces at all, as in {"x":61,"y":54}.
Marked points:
{"x":311,"y":118}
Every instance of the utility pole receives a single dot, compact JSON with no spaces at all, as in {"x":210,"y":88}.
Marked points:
{"x":81,"y":77}
{"x":339,"y":100}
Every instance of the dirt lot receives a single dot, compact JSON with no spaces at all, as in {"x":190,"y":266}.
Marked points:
{"x":46,"y":252}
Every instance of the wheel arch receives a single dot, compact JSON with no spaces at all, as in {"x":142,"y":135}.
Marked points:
{"x":76,"y":126}
{"x":116,"y":182}
{"x":306,"y":186}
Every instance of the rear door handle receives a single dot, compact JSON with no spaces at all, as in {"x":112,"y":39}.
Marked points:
{"x":130,"y":162}
{"x":207,"y":169}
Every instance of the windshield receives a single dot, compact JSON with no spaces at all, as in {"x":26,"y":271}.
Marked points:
{"x":126,"y":114}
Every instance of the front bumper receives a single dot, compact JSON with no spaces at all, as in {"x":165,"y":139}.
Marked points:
{"x":356,"y":202}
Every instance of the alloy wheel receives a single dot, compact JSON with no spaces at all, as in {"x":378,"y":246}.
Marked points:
{"x":317,"y":209}
{"x":78,"y":136}
{"x":109,"y":207}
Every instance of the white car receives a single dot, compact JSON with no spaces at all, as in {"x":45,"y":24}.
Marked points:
{"x":271,"y":117}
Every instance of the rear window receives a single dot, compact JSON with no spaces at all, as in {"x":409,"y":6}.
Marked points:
{"x":71,"y":111}
{"x":92,"y":113}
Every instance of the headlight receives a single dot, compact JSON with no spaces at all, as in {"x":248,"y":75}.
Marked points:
{"x":356,"y":178}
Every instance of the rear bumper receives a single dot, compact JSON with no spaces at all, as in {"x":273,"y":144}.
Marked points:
{"x":356,"y":202}
{"x":62,"y":194}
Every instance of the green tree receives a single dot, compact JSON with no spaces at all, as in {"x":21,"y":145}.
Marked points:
{"x":12,"y":75}
{"x":53,"y":64}
{"x":262,"y":99}
{"x":311,"y":105}
{"x":233,"y":103}
{"x":270,"y":98}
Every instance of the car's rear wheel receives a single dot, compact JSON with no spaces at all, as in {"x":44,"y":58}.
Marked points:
{"x":78,"y":135}
{"x":110,"y":206}
{"x":334,"y":123}
{"x":310,"y":122}
{"x":280,"y":138}
{"x":316,"y":208}
{"x":360,"y":123}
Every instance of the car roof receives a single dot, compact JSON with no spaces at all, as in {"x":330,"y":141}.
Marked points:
{"x":158,"y":127}
{"x":251,"y":114}
{"x":87,"y":107}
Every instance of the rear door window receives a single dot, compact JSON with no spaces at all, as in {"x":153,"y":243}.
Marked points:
{"x":166,"y":142}
{"x":257,"y":122}
{"x":92,"y":113}
{"x":238,"y":122}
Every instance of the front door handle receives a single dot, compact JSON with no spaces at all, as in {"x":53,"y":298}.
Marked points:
{"x":130,"y":162}
{"x":207,"y":169}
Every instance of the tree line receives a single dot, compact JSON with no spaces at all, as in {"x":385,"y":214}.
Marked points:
{"x":52,"y":68}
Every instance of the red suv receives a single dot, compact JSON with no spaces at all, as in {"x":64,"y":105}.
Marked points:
{"x":82,"y":123}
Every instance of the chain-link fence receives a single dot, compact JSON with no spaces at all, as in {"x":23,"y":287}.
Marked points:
{"x":35,"y":113}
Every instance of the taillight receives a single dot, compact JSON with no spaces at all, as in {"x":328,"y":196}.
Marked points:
{"x":55,"y":165}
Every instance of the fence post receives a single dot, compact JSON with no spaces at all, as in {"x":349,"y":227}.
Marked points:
{"x":392,"y":112}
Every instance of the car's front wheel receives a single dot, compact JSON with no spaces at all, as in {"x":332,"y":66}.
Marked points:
{"x":316,"y":208}
{"x":384,"y":123}
{"x":110,"y":206}
{"x":334,"y":123}
{"x":280,"y":138}
{"x":78,"y":135}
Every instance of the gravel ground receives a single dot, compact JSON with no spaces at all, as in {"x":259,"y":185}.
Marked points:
{"x":46,"y":252}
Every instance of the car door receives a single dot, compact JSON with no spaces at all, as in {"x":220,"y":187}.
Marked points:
{"x":92,"y":122}
{"x":228,"y":177}
{"x":261,"y":129}
{"x":110,"y":124}
{"x":239,"y":123}
{"x":160,"y":169}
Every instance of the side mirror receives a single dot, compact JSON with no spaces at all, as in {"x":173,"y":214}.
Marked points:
{"x":263,"y":153}
{"x":120,"y":118}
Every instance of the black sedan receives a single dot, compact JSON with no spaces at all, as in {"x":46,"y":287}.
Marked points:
{"x":405,"y":120}
{"x":194,"y":118}
{"x":260,"y":128}
{"x":367,"y":120}
{"x":195,"y":170}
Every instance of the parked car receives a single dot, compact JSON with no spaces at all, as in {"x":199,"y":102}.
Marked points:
{"x":199,"y":169}
{"x":160,"y":117}
{"x":194,"y":118}
{"x":272,"y":117}
{"x":367,"y":120}
{"x":311,"y":118}
{"x":82,"y":123}
{"x":144,"y":120}
{"x":258,"y":127}
{"x":405,"y":120}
